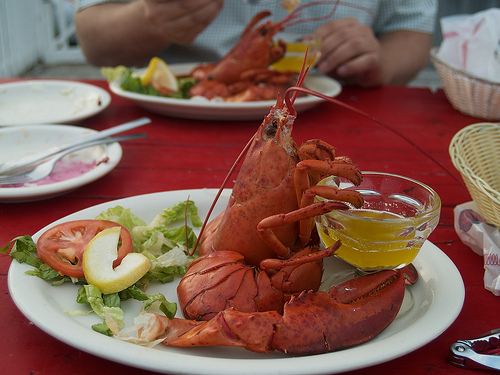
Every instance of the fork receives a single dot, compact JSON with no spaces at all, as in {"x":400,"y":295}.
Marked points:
{"x":45,"y":168}
{"x":29,"y":162}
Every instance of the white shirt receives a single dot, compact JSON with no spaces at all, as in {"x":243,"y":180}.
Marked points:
{"x":225,"y":31}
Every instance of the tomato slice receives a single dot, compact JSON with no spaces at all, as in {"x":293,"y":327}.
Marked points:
{"x":62,"y":246}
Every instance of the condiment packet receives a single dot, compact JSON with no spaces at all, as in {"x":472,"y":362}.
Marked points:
{"x":471,"y":43}
{"x":483,"y":239}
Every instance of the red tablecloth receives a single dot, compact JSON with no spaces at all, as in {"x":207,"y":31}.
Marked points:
{"x":189,"y":154}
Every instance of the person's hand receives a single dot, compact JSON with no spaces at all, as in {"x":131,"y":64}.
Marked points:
{"x":181,"y":20}
{"x":130,"y":33}
{"x":350,"y":52}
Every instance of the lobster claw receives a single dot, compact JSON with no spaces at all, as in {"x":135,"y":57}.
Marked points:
{"x":350,"y":314}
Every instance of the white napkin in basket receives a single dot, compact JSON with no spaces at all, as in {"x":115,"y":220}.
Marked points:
{"x":471,"y":43}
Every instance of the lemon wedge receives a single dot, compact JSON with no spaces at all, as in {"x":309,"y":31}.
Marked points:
{"x":98,"y":259}
{"x":160,"y":76}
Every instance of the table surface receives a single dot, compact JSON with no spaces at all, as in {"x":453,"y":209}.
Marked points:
{"x":190,"y":154}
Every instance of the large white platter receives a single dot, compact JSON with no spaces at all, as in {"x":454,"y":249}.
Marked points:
{"x":209,"y":110}
{"x":71,"y":172}
{"x":50,"y":102}
{"x":438,"y":299}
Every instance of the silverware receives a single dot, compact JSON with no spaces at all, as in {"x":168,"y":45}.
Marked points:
{"x":28,"y":162}
{"x":478,"y":353}
{"x":46,"y":167}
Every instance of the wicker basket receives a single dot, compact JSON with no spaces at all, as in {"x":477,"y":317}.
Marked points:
{"x":468,"y":94}
{"x":475,"y":152}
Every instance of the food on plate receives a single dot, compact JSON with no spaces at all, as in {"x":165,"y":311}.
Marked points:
{"x":245,"y":74}
{"x":62,"y":246}
{"x":255,"y":284}
{"x":148,"y":253}
{"x":98,"y":258}
{"x":131,"y":80}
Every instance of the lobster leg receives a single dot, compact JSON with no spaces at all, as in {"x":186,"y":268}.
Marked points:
{"x":307,"y":174}
{"x":265,"y":226}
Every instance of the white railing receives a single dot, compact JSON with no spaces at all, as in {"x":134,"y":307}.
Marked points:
{"x":36,"y":31}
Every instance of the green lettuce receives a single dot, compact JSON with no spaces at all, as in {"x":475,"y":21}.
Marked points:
{"x":165,"y":240}
{"x":122,"y":216}
{"x":108,"y":306}
{"x":24,"y":251}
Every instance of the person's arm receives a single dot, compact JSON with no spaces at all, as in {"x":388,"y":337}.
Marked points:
{"x":351,"y":52}
{"x":404,"y":54}
{"x":131,"y":33}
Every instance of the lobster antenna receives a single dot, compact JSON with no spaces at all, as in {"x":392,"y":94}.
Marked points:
{"x":333,"y":100}
{"x":296,"y":89}
{"x":302,"y":76}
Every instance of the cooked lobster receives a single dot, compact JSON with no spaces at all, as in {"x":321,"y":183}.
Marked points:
{"x":255,"y":283}
{"x":244,"y":74}
{"x":312,"y":323}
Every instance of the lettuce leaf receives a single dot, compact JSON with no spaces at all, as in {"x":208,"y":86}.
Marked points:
{"x":24,"y":251}
{"x":129,"y":82}
{"x":163,"y":241}
{"x":113,"y":73}
{"x":168,"y":308}
{"x":166,"y":233}
{"x":122,"y":216}
{"x":108,"y":306}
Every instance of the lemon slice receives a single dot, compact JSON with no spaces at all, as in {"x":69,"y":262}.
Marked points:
{"x":160,"y":76}
{"x":98,"y":259}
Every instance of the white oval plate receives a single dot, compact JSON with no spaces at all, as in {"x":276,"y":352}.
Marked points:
{"x":49,"y":102}
{"x":438,"y":299}
{"x":208,"y":110}
{"x":73,"y":171}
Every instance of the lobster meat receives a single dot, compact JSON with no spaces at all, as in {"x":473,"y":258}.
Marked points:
{"x":255,"y":284}
{"x":244,"y":73}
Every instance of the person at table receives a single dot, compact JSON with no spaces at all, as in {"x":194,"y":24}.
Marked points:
{"x":357,"y":47}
